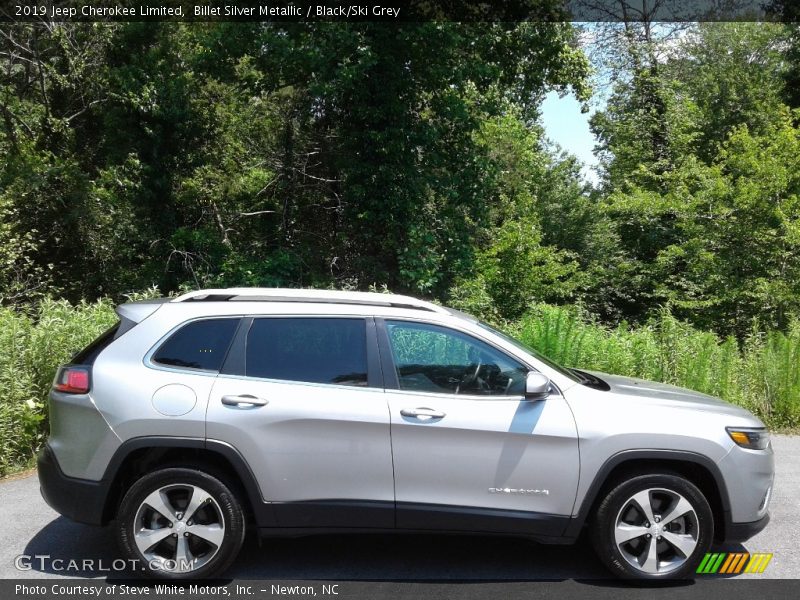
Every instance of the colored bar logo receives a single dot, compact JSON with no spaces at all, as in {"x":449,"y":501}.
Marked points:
{"x":733,"y":563}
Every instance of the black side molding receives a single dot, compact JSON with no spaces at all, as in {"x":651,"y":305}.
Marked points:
{"x":341,"y":514}
{"x":358,"y":515}
{"x":438,"y":517}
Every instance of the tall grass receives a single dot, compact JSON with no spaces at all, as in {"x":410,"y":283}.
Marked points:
{"x":32,"y":345}
{"x":763,"y":374}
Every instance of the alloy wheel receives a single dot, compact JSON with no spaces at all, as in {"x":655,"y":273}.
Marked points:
{"x":656,"y":531}
{"x":179,"y":528}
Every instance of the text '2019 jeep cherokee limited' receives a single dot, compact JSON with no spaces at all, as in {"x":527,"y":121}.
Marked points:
{"x":306,"y":411}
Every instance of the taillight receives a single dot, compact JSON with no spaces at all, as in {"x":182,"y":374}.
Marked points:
{"x":72,"y":380}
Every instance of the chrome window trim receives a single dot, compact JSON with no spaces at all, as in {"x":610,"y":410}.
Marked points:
{"x":335,"y":386}
{"x":475,"y":397}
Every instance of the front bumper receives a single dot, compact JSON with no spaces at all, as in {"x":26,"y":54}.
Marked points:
{"x":78,"y":499}
{"x":736,"y":533}
{"x":749,"y":477}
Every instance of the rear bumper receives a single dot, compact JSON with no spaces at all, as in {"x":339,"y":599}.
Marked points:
{"x":736,"y":533}
{"x":78,"y":499}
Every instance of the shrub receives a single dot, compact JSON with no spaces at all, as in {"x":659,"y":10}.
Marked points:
{"x":34,"y":344}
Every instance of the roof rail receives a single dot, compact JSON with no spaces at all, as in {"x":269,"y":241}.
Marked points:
{"x":308,"y":295}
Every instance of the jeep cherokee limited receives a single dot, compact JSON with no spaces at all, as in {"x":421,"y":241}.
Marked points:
{"x":299,"y":412}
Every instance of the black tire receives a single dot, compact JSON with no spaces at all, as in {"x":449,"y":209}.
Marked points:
{"x":604,"y":527}
{"x":221,"y":510}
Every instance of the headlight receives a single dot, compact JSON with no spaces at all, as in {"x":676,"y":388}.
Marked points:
{"x":754,"y":438}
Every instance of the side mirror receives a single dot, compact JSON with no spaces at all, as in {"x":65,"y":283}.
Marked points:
{"x":537,"y":386}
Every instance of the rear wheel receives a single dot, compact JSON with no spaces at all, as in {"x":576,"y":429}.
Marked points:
{"x":653,"y":527}
{"x":180,"y":523}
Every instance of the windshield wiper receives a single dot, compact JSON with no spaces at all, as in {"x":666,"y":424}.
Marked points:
{"x":580,"y":375}
{"x":591,"y":381}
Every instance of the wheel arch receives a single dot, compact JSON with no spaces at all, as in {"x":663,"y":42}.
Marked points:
{"x":140,"y":455}
{"x":696,"y":468}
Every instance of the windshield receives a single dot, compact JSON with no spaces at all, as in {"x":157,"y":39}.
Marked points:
{"x":553,"y":365}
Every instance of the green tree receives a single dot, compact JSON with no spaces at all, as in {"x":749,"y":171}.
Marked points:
{"x":740,"y":260}
{"x":725,"y":79}
{"x":293,"y":154}
{"x":733,"y":74}
{"x":397,"y":110}
{"x":516,"y":265}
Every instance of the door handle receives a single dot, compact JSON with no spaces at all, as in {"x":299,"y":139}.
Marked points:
{"x":244,"y":401}
{"x":422,"y":413}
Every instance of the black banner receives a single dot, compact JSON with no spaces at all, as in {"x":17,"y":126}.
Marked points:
{"x":708,"y":589}
{"x":398,"y":10}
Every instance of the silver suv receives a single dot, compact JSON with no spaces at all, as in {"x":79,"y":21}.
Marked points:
{"x":298,"y":412}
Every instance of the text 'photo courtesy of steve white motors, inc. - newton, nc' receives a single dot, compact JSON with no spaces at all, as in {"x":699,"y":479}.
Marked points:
{"x":195,"y":591}
{"x":254,"y":11}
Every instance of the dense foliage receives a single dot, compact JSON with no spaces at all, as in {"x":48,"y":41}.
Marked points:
{"x":33,"y":346}
{"x":701,"y":182}
{"x":308,"y":154}
{"x":408,"y":156}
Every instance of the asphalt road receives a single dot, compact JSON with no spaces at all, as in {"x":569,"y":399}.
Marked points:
{"x":30,"y":527}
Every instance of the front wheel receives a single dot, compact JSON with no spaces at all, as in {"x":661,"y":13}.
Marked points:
{"x":653,"y":527}
{"x":180,"y":523}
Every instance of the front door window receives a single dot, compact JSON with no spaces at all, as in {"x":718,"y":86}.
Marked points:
{"x":431,"y":358}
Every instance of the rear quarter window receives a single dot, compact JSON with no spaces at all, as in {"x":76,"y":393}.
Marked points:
{"x":198,"y":345}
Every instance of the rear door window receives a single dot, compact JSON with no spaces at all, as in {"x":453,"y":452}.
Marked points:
{"x":198,"y":345}
{"x":312,"y":350}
